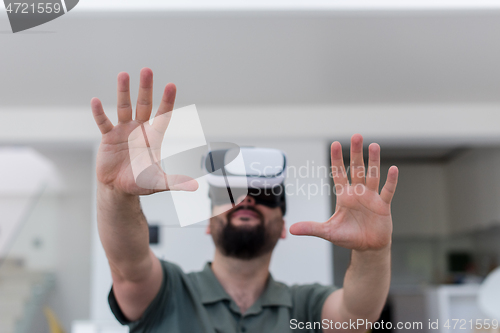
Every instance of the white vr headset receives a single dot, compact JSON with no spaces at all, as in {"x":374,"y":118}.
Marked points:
{"x":257,"y":172}
{"x":245,"y":167}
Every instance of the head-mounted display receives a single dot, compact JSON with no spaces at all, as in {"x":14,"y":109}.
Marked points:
{"x":257,"y":172}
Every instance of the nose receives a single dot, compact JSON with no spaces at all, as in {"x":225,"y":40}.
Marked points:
{"x":246,"y":200}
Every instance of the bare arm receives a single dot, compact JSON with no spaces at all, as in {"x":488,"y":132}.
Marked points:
{"x":123,"y":229}
{"x":366,"y":285}
{"x":363,"y":223}
{"x":124,"y":234}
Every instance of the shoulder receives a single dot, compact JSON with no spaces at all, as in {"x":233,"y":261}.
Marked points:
{"x":312,"y":288}
{"x":175,"y":277}
{"x":170,"y":267}
{"x":313,"y":293}
{"x":177,"y":280}
{"x":308,"y":300}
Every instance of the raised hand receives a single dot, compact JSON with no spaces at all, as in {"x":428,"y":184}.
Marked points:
{"x":133,"y":145}
{"x":362,"y":218}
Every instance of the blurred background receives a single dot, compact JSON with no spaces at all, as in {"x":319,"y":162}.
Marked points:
{"x":421,"y":79}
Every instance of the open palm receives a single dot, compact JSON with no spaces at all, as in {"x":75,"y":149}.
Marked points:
{"x":362,"y":218}
{"x":129,"y":154}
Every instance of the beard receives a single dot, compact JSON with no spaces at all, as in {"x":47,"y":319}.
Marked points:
{"x":245,"y":242}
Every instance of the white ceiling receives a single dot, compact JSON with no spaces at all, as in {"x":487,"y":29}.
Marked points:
{"x":235,"y":58}
{"x":126,"y":5}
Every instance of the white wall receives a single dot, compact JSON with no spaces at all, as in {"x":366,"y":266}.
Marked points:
{"x":420,"y":206}
{"x":416,"y":125}
{"x":474,"y":179}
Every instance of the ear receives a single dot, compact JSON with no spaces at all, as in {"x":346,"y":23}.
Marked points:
{"x":283,"y":230}
{"x":207,"y":230}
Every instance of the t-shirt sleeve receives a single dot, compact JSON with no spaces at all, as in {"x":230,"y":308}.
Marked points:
{"x":309,"y":300}
{"x":171,"y":275}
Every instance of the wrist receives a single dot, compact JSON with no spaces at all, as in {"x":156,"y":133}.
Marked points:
{"x":374,"y":253}
{"x":112,"y":191}
{"x":110,"y":198}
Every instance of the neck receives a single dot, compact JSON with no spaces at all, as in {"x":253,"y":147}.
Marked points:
{"x":243,"y":280}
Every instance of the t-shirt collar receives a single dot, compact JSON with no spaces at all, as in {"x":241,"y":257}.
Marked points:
{"x":275,"y":294}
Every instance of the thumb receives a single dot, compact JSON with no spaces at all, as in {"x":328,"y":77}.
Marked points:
{"x":309,"y":229}
{"x":153,"y":178}
{"x":181,"y":183}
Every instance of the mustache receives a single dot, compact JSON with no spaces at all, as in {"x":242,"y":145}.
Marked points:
{"x":238,"y":208}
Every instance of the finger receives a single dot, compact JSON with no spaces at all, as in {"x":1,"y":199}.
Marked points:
{"x":309,"y":229}
{"x":145,"y":99}
{"x":357,"y":163}
{"x":100,"y":117}
{"x":162,"y":117}
{"x":124,"y":106}
{"x":390,"y":185}
{"x":339,"y":174}
{"x":373,"y":172}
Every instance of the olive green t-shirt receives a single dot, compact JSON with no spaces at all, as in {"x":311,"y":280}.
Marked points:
{"x":197,"y":303}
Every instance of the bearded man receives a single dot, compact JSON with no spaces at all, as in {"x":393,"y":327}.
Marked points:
{"x":235,"y":292}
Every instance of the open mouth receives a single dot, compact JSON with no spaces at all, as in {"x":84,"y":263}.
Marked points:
{"x":245,"y":214}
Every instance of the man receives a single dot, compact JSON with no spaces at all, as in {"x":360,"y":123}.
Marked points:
{"x":235,"y":293}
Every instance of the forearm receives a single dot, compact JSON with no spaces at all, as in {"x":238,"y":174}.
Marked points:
{"x":124,"y":233}
{"x":366,"y":283}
